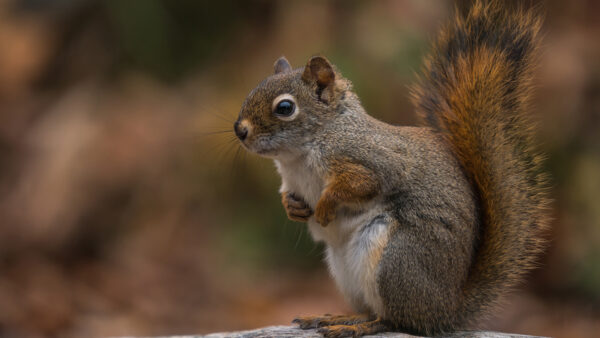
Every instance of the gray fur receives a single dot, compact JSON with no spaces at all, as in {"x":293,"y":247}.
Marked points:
{"x":426,"y":201}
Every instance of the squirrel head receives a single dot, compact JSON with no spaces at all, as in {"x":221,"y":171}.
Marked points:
{"x":283,"y":113}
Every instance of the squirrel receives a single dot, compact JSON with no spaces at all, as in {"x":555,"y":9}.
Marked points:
{"x":425,"y":228}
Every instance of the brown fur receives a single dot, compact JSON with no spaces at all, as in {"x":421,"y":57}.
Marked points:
{"x":347,"y":183}
{"x":475,"y":93}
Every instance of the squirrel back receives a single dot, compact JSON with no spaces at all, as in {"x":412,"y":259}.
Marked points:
{"x":475,"y":92}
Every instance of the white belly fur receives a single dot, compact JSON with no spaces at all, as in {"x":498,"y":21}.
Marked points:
{"x":353,"y":250}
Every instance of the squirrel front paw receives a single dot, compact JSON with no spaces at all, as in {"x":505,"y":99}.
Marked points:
{"x":325,"y":211}
{"x":295,"y":207}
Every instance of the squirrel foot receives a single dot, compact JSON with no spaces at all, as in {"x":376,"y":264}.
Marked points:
{"x":313,"y":322}
{"x":295,"y":207}
{"x":356,"y":330}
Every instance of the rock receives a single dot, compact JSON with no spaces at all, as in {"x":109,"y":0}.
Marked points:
{"x":292,"y":331}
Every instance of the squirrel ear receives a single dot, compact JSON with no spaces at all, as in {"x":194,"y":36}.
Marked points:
{"x":319,"y":70}
{"x":282,"y":65}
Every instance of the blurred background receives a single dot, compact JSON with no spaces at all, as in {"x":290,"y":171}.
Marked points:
{"x":128,"y":208}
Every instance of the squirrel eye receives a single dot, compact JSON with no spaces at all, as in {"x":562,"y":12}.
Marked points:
{"x":284,"y":108}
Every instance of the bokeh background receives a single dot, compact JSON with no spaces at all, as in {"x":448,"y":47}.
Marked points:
{"x":128,"y":208}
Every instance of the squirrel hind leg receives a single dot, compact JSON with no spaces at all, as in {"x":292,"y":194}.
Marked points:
{"x":356,"y":330}
{"x":313,"y":322}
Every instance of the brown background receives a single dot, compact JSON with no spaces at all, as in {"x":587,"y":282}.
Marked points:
{"x":127,"y":208}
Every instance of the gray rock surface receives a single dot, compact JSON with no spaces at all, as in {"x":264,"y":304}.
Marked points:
{"x":292,"y":331}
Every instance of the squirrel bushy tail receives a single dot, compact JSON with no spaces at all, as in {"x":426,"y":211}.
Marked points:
{"x":475,"y":92}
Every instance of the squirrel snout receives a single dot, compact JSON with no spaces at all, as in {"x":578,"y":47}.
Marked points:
{"x":241,"y":131}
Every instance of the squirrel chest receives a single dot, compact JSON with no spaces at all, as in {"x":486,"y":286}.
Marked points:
{"x":354,"y":241}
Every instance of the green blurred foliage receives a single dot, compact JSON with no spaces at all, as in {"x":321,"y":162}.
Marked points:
{"x":168,"y":38}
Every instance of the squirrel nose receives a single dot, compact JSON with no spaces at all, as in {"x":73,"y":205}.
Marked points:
{"x":240,"y":131}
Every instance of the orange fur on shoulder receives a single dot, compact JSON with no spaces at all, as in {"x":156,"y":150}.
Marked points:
{"x":347,"y":183}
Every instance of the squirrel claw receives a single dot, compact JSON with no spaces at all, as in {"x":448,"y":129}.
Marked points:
{"x":354,"y":329}
{"x":315,"y":322}
{"x":296,"y":208}
{"x":306,"y":322}
{"x":338,"y":331}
